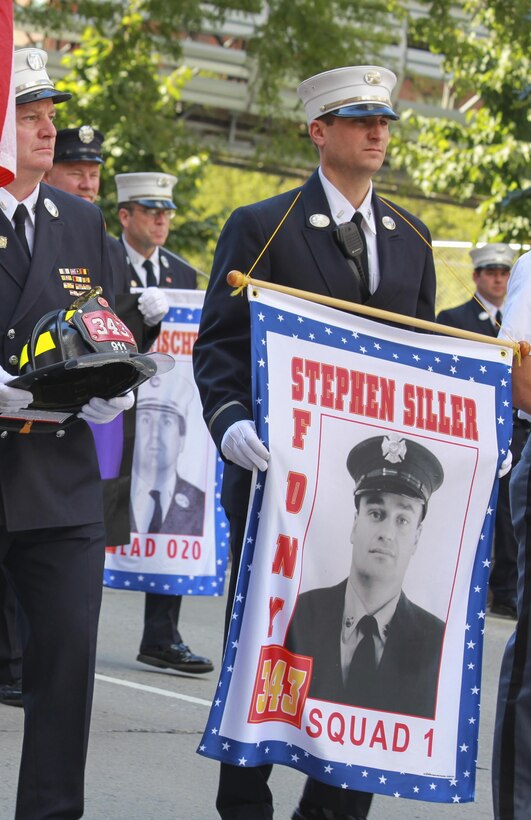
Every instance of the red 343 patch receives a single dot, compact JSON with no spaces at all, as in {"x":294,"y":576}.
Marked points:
{"x":107,"y":327}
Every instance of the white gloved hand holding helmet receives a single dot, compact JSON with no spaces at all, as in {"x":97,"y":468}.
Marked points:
{"x":101,"y":411}
{"x":12,"y":399}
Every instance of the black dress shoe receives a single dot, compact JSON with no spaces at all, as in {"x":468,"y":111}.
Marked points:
{"x":11,"y":693}
{"x":177,"y":656}
{"x":503,"y":610}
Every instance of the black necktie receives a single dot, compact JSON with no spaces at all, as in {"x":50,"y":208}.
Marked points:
{"x":151,"y":279}
{"x":357,"y":219}
{"x":360,"y":681}
{"x":19,"y":218}
{"x":499,"y":317}
{"x":156,"y":519}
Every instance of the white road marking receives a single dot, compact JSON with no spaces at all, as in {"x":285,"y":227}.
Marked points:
{"x":154,"y":690}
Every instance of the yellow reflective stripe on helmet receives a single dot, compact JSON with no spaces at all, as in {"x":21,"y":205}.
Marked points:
{"x":44,"y":342}
{"x":23,"y":357}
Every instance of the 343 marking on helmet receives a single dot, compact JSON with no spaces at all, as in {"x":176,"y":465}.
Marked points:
{"x":107,"y":327}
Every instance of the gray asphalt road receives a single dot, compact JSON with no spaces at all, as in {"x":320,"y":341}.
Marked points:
{"x":147,"y":723}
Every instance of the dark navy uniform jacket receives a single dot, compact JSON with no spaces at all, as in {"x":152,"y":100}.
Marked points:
{"x":126,"y":302}
{"x":407,"y":675}
{"x":46,"y":480}
{"x":466,"y":317}
{"x":174,"y":272}
{"x":186,"y":513}
{"x":300,"y":256}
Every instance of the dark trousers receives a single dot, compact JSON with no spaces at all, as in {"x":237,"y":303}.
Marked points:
{"x":161,"y":619}
{"x":57,"y":577}
{"x":511,"y":773}
{"x":504,"y":572}
{"x":243,"y":793}
{"x":10,"y":629}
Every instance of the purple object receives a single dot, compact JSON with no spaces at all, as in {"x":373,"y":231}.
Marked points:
{"x":109,"y":440}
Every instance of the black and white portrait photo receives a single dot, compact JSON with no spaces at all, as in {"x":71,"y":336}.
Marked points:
{"x":372,"y":646}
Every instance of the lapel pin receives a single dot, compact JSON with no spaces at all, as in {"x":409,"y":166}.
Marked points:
{"x":164,"y":261}
{"x":483,"y":316}
{"x":51,"y":207}
{"x":3,"y":242}
{"x":389,"y":223}
{"x":319,"y":221}
{"x":134,"y":283}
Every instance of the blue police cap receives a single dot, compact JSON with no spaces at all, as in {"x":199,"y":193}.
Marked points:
{"x":75,"y":144}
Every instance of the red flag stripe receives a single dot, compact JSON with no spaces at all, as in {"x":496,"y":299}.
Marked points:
{"x":7,"y":96}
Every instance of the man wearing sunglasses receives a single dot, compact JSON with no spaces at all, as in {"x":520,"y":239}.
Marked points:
{"x":145,"y":211}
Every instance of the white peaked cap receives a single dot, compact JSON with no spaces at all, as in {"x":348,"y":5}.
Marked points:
{"x":152,"y":189}
{"x":495,"y":255}
{"x":31,"y":78}
{"x":166,"y":395}
{"x":352,"y":91}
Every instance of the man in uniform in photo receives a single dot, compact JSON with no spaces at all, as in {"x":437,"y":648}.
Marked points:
{"x":372,"y":647}
{"x":162,"y":501}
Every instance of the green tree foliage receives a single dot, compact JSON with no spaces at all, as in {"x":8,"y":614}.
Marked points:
{"x":119,"y":70}
{"x":119,"y":85}
{"x":486,"y":157}
{"x":119,"y":56}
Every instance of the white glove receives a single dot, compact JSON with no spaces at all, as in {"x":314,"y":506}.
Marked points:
{"x":153,"y":305}
{"x":12,"y":399}
{"x":505,"y":466}
{"x":101,"y":411}
{"x":241,"y":445}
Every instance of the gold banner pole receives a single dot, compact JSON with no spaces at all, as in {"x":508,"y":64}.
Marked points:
{"x":239,"y":280}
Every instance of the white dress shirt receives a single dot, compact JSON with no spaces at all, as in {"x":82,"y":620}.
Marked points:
{"x":144,"y":505}
{"x":490,"y":309}
{"x":137,"y":261}
{"x":9,"y":204}
{"x":353,"y":612}
{"x":343,"y":211}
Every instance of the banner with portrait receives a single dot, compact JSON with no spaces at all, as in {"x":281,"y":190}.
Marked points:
{"x":354,"y":653}
{"x":179,"y":533}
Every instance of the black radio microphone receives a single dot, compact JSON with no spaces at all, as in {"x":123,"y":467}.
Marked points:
{"x":348,"y":238}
